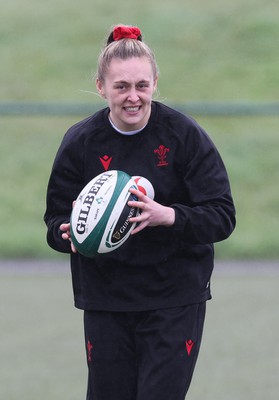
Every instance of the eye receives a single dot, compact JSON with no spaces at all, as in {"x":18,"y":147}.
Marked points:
{"x":120,"y":86}
{"x":143,"y":85}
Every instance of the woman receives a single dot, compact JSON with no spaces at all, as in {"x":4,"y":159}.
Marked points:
{"x":144,"y":303}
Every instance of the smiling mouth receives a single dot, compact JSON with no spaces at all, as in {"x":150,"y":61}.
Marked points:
{"x":132,"y":109}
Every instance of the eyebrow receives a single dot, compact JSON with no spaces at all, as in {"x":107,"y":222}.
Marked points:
{"x":141,"y":81}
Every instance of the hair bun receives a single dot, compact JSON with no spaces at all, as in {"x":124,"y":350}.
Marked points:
{"x":124,"y":32}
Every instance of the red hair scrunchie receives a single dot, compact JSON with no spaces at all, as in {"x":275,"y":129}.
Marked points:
{"x":126,"y":32}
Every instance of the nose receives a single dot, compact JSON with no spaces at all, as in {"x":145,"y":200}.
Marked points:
{"x":133,"y":95}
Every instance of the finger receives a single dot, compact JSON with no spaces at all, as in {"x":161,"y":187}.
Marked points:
{"x":136,"y":220}
{"x":137,"y":204}
{"x":74,"y":250}
{"x":65,"y":236}
{"x":141,"y":196}
{"x":139,"y":228}
{"x":64,"y":227}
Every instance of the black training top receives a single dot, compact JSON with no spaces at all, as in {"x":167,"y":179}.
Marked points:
{"x":159,"y":267}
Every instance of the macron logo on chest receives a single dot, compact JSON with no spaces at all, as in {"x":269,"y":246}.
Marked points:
{"x":105,"y":160}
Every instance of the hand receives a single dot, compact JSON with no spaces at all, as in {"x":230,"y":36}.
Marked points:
{"x":67,"y":235}
{"x":152,"y":213}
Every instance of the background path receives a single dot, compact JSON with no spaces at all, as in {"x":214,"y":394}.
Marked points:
{"x":62,"y":266}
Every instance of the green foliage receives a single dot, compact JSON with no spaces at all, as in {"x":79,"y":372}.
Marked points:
{"x":206,"y":50}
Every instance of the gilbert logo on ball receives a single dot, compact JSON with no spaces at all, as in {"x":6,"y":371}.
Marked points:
{"x":100,"y":217}
{"x":144,"y":186}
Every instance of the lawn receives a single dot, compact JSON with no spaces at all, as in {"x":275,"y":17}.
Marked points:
{"x":249,"y":150}
{"x":211,"y":50}
{"x":42,"y":347}
{"x":206,"y":50}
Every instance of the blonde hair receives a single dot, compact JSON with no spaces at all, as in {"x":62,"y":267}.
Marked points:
{"x":123,"y":49}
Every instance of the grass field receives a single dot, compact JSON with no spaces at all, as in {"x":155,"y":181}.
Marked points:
{"x":251,"y":158}
{"x":42,"y":346}
{"x":206,"y":50}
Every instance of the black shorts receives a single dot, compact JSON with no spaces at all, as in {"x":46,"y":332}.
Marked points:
{"x":147,"y":355}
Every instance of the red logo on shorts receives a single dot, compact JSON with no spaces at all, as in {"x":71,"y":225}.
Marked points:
{"x":189,"y":346}
{"x":89,"y":347}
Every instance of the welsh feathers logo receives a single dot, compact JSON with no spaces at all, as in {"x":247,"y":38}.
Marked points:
{"x":161,"y":153}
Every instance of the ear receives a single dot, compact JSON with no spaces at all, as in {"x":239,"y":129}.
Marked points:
{"x":100,"y":88}
{"x":155,"y":84}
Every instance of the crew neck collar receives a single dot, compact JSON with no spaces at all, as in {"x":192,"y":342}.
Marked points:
{"x":126,"y":133}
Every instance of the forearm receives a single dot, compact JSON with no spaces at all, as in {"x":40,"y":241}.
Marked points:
{"x":205,"y":224}
{"x":54,"y":235}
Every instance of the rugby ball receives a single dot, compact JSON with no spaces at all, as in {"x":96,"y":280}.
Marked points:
{"x":100,"y":217}
{"x":144,"y":186}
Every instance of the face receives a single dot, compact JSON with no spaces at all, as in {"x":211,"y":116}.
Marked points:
{"x":128,"y":88}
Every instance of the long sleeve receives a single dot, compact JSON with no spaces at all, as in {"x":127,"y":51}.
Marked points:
{"x":209,"y":214}
{"x":64,"y":185}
